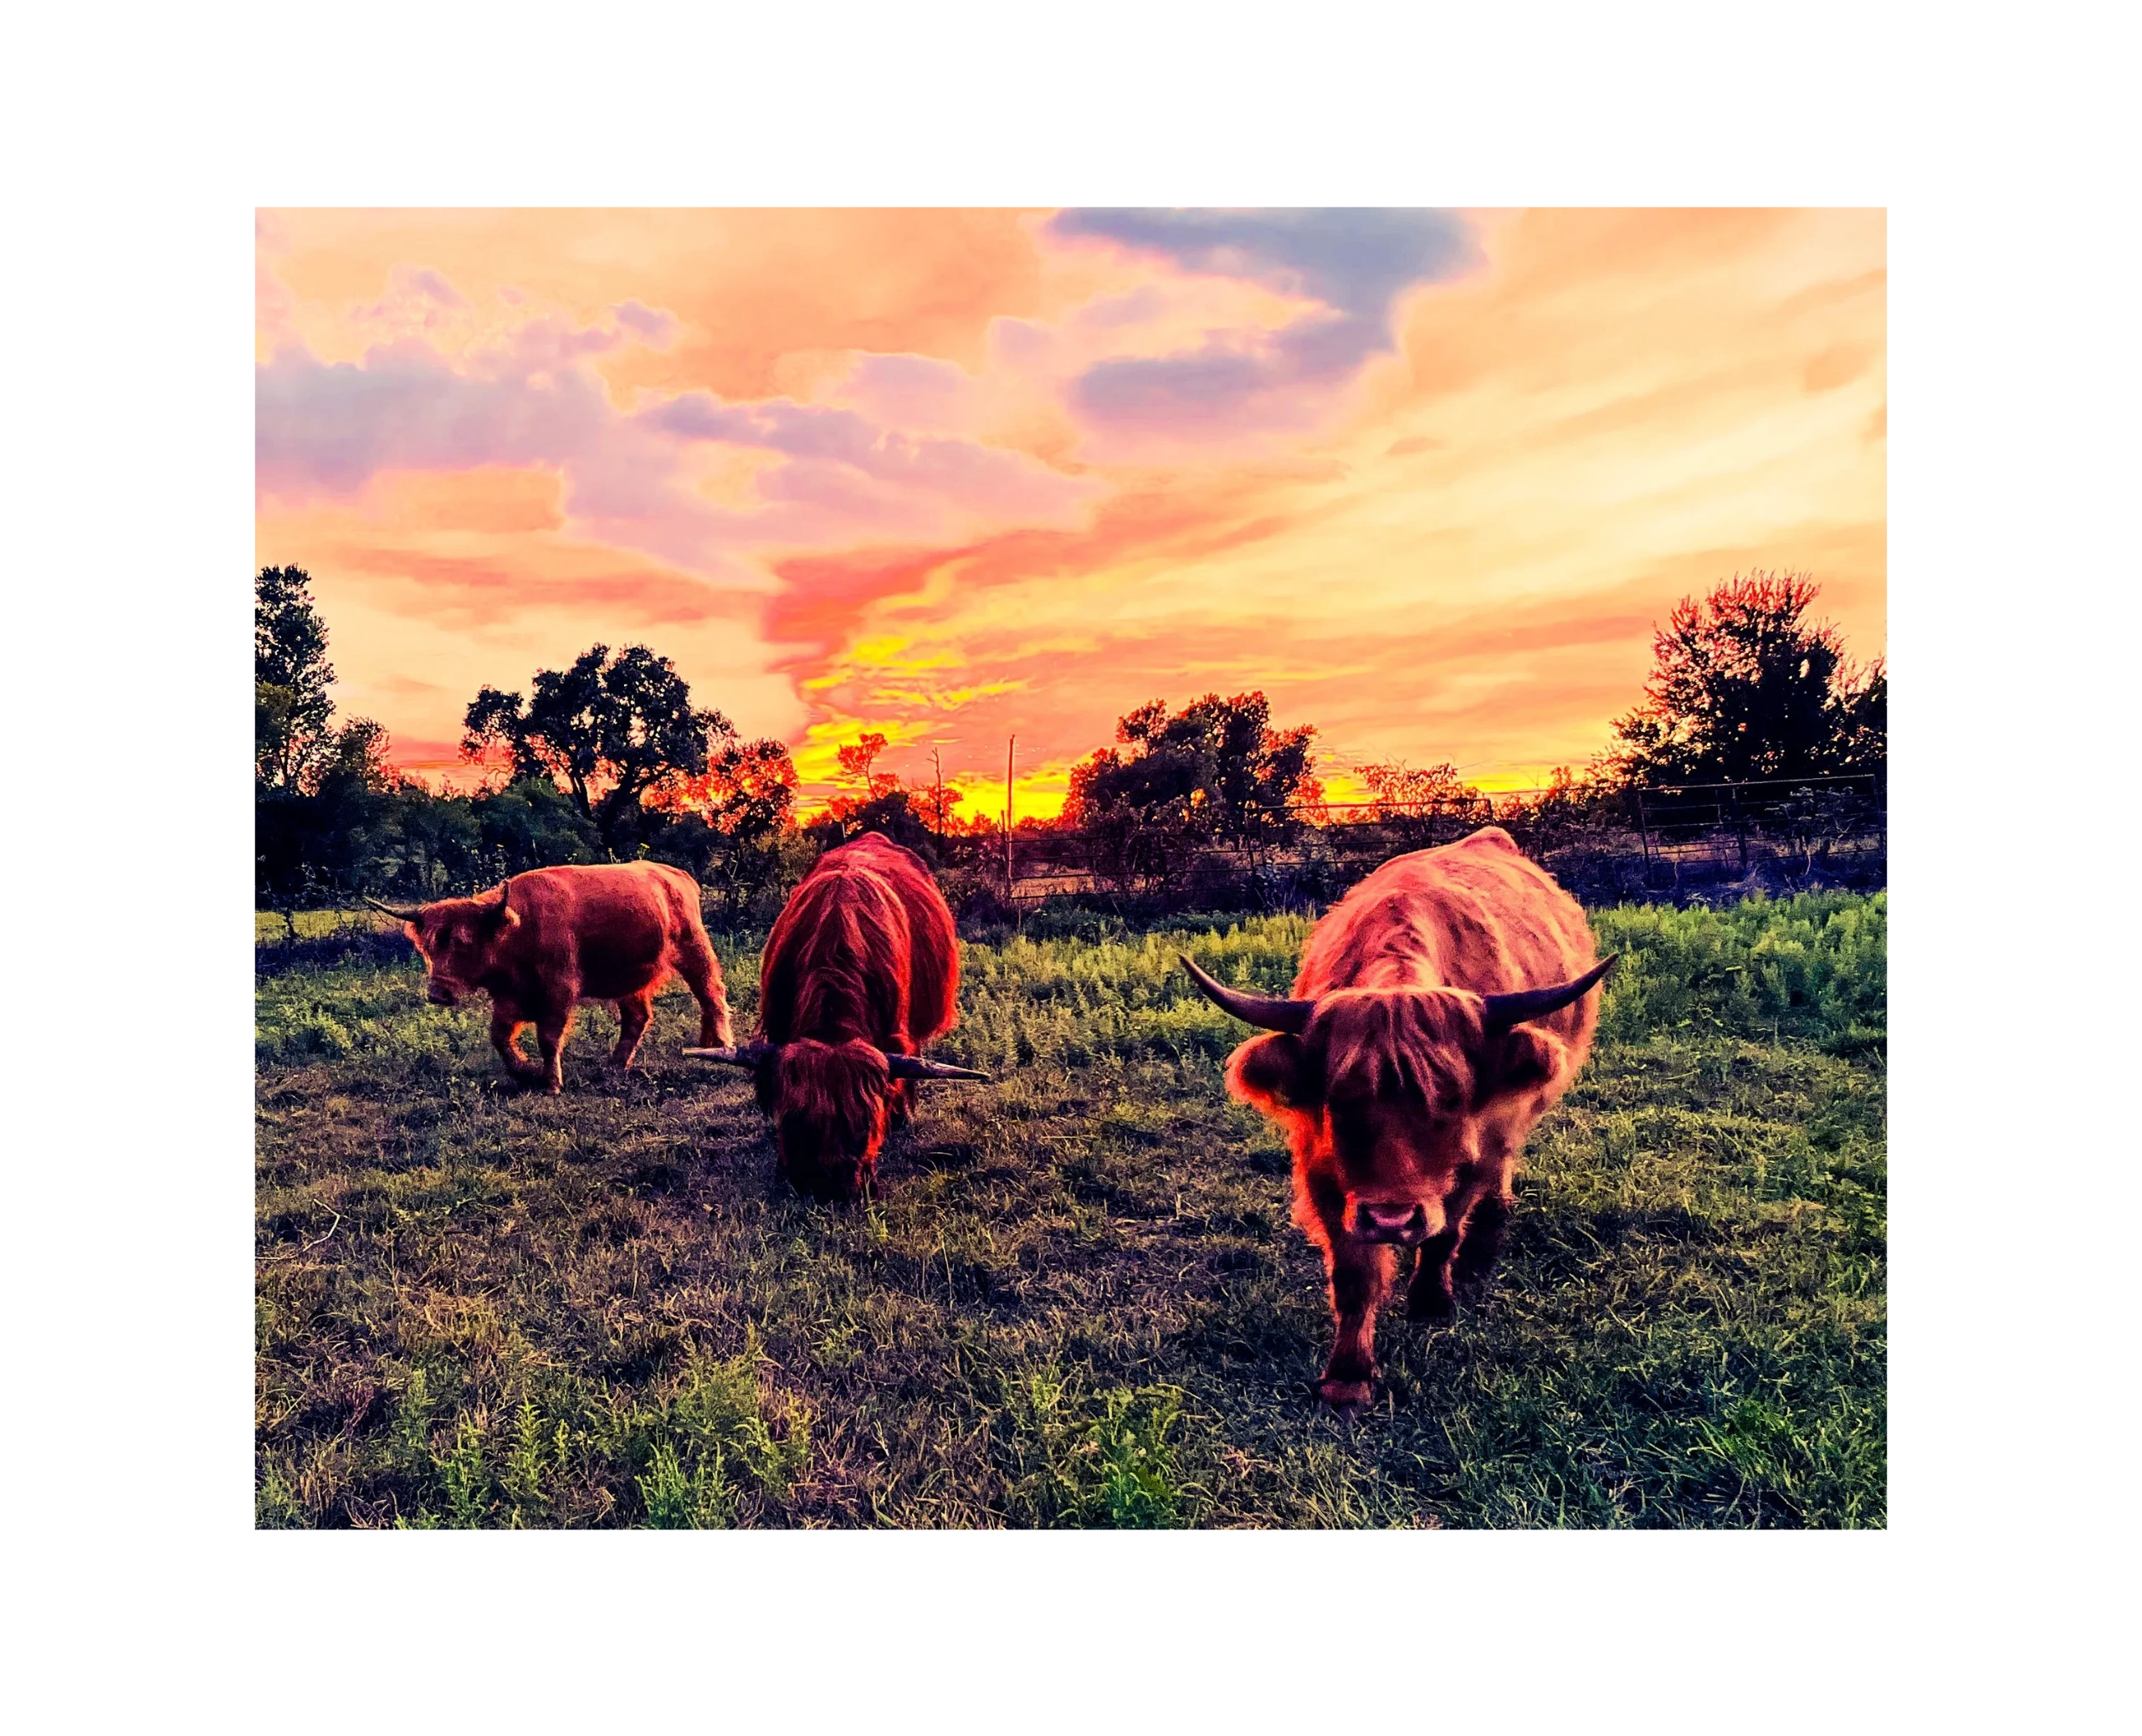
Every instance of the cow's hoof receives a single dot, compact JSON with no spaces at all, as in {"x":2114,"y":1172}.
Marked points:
{"x":1424,"y":1307}
{"x":1348,"y":1398}
{"x":553,"y":1087}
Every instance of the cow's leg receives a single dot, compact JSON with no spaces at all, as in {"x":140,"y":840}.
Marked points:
{"x":552,"y":1027}
{"x":506,"y":1026}
{"x":1483,"y":1241}
{"x":1360,"y":1273}
{"x":1429,"y":1296}
{"x":899,"y":1103}
{"x":702,"y":974}
{"x":633,"y":1012}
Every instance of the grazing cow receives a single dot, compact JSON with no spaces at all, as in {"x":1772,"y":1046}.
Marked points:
{"x":544,"y":941}
{"x":1410,"y":1067}
{"x":860,"y":971}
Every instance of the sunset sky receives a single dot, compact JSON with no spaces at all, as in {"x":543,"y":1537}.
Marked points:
{"x":1426,"y":478}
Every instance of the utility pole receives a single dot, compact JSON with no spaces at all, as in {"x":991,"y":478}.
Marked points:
{"x":1009,"y":745}
{"x":937,"y":759}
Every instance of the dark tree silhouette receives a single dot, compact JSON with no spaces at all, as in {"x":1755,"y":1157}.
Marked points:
{"x":1217,"y":770}
{"x":290,"y":677}
{"x":1218,"y":760}
{"x":1744,"y":685}
{"x":609,"y":730}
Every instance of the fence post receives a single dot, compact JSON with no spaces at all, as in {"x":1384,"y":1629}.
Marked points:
{"x":1010,"y":744}
{"x":1643,"y":833}
{"x":1740,"y":825}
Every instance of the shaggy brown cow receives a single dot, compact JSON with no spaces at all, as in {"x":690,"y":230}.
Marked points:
{"x":861,"y":970}
{"x":545,"y":940}
{"x":1410,"y":1068}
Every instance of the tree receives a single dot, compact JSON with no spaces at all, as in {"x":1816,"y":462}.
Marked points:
{"x":1862,"y":741}
{"x":609,"y":730}
{"x":1220,"y":759}
{"x":1217,"y":770}
{"x":878,"y":804}
{"x":329,"y":835}
{"x":356,"y":757}
{"x":858,"y":756}
{"x":531,"y":823}
{"x":1744,"y":686}
{"x":733,"y":819}
{"x":1425,"y":805}
{"x":1403,"y":790}
{"x":290,"y":677}
{"x":934,"y":803}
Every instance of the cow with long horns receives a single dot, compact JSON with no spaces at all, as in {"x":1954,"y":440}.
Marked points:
{"x":540,"y":943}
{"x":861,"y":970}
{"x":1441,"y":1008}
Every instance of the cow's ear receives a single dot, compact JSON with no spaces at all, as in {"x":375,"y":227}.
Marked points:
{"x":1523,"y":1059}
{"x":508,"y":918}
{"x":1276,"y":1071}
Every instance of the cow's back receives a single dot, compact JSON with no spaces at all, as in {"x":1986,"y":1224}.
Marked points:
{"x":608,"y":924}
{"x":934,"y":979}
{"x":1477,"y":915}
{"x":864,"y":947}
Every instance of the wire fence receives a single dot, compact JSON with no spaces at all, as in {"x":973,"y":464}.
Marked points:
{"x":1679,"y":843}
{"x":1777,"y":834}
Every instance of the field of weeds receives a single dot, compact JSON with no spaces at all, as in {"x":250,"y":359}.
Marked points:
{"x":1077,"y":1300}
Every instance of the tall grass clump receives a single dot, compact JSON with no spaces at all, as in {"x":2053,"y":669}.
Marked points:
{"x":1814,"y":967}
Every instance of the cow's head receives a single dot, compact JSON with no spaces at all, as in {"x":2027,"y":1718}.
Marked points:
{"x":458,"y":938}
{"x":1391,"y":1084}
{"x":829,"y":1104}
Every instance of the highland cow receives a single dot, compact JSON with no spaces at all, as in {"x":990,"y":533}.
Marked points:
{"x":1409,"y":1069}
{"x":861,"y":970}
{"x":542,"y":942}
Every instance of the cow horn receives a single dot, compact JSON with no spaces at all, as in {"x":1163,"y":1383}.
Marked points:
{"x":752,"y":1055}
{"x":1504,"y":1011}
{"x":406,"y":914}
{"x":1259,"y":1010}
{"x":913,"y":1067}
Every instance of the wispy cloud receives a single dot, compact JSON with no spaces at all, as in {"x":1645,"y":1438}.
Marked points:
{"x":1353,"y":264}
{"x":1426,"y":478}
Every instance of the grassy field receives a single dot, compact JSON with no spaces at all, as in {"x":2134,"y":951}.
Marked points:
{"x":1078,"y":1300}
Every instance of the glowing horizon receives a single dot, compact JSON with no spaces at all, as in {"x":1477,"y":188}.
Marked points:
{"x":1426,"y":478}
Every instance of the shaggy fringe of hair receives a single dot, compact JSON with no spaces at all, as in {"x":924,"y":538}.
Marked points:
{"x":827,"y":1097}
{"x":1399,"y":1045}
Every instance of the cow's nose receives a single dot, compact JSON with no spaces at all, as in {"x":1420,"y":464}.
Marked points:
{"x":439,"y":997}
{"x":1406,"y":1223}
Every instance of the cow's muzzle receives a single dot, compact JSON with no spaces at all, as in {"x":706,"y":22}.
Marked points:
{"x":831,"y":1184}
{"x":1406,"y":1226}
{"x":440,"y":995}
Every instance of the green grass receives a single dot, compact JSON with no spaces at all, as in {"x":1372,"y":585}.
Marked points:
{"x":268,"y":927}
{"x":1078,"y":1300}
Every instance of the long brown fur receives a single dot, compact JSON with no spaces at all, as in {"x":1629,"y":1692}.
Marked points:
{"x":865,"y":959}
{"x":541,"y":943}
{"x":1394,"y":1097}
